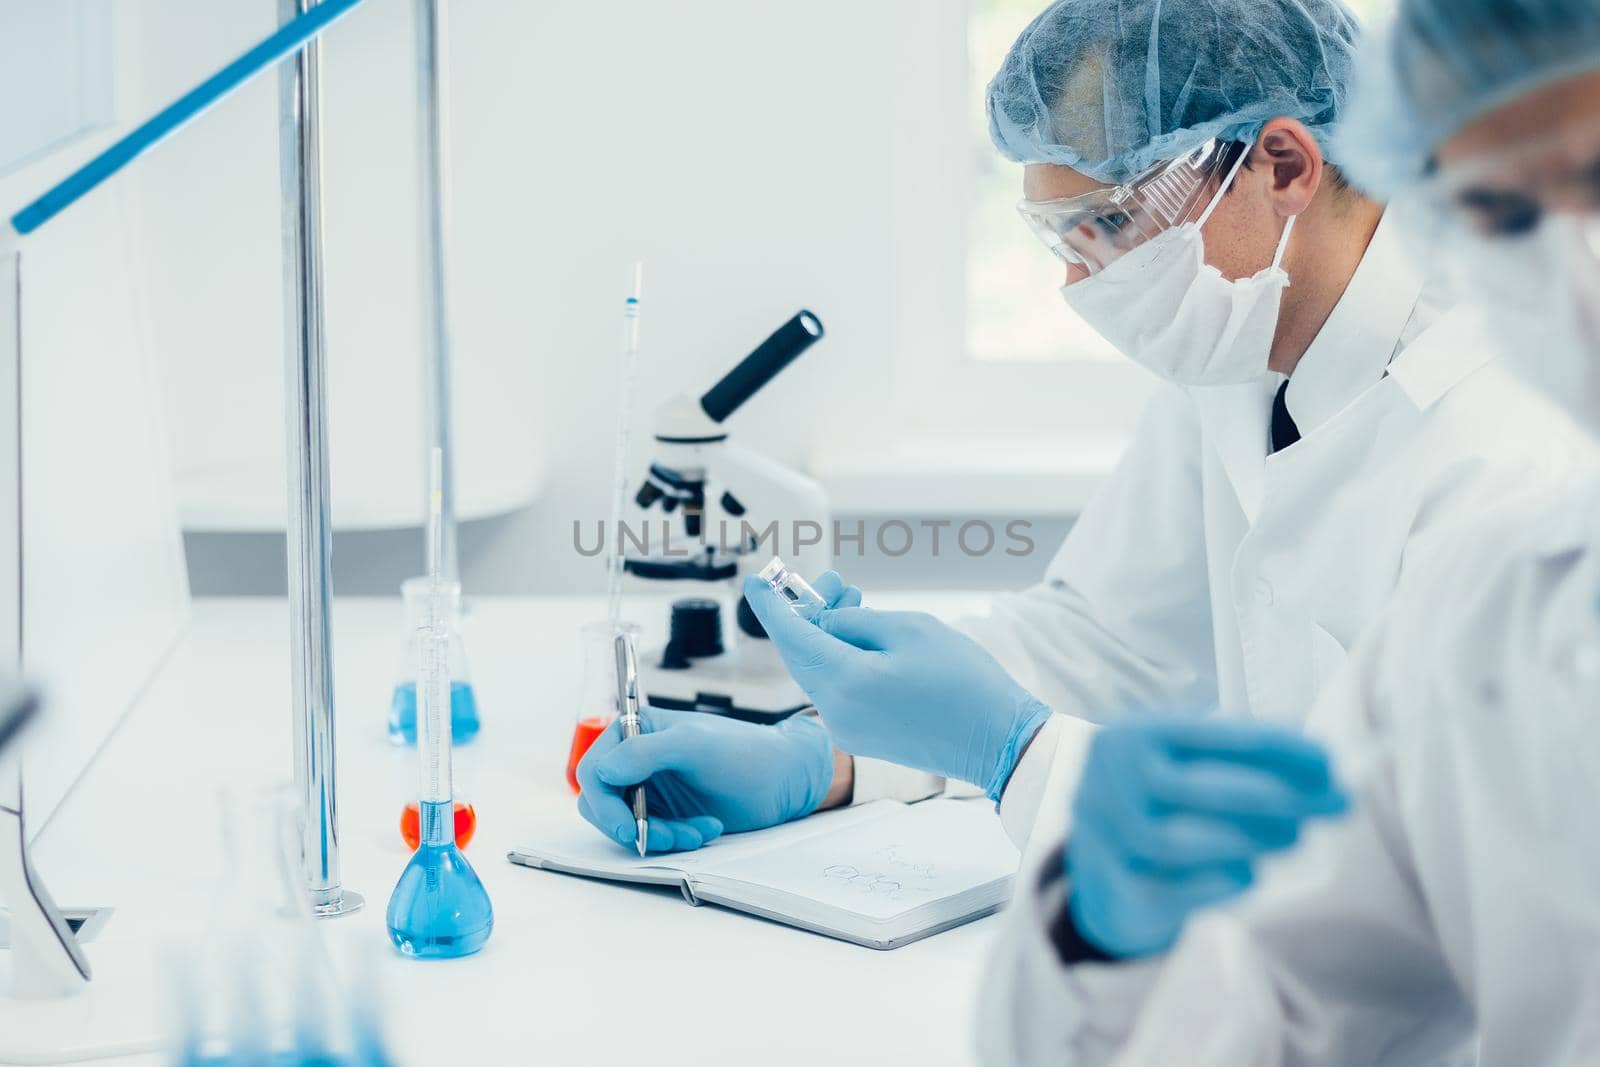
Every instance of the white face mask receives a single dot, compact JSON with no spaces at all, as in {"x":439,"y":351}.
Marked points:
{"x":1542,"y":294}
{"x":1164,"y":308}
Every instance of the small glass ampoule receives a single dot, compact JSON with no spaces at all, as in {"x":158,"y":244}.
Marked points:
{"x":803,"y":600}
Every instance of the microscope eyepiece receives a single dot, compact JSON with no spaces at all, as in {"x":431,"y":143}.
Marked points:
{"x":761,"y":366}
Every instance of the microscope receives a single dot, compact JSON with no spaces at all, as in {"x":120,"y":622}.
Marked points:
{"x":729,"y":510}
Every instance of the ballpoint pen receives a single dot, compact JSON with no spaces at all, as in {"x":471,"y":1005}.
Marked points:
{"x":628,"y":710}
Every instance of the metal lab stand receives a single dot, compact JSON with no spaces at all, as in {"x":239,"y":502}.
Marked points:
{"x":309,"y":533}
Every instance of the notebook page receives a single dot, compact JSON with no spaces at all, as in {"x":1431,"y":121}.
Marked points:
{"x":883,"y":868}
{"x":570,"y":841}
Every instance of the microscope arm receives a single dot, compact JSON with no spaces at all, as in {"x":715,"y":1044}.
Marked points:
{"x":769,"y":492}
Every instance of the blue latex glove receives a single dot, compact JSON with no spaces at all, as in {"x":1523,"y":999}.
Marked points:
{"x":1171,"y":815}
{"x":905,"y":687}
{"x":709,"y":775}
{"x":705,"y":775}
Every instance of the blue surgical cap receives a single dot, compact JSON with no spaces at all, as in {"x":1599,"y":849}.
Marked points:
{"x":1111,"y":87}
{"x":1442,"y":64}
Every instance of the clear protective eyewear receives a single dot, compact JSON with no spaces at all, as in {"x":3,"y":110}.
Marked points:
{"x":1094,"y":230}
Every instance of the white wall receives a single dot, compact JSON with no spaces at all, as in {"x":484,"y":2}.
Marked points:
{"x":60,"y":63}
{"x":103,"y":589}
{"x":741,"y":149}
{"x":757,"y":156}
{"x":211,"y":207}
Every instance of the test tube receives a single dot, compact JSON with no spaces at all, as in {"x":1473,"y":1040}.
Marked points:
{"x":803,"y":600}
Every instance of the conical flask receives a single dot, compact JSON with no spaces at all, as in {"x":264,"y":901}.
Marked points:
{"x":403,"y":699}
{"x":597,"y":696}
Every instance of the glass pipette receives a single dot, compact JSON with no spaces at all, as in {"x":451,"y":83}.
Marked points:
{"x":619,"y":486}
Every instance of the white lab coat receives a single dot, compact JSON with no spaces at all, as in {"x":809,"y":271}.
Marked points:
{"x":1461,"y":898}
{"x":1207,"y":573}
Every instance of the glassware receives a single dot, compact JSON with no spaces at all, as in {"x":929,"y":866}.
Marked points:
{"x":803,"y":600}
{"x":465,"y":818}
{"x":597,"y":696}
{"x":402,"y":776}
{"x":439,"y":908}
{"x":463,"y":700}
{"x":260,"y":987}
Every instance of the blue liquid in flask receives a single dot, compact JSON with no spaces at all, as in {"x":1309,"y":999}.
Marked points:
{"x":439,"y":910}
{"x":403,"y":713}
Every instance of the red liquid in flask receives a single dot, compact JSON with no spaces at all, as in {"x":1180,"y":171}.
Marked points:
{"x":583,"y":735}
{"x":411,"y":824}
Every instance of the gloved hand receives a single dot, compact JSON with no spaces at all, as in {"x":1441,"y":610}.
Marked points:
{"x":1171,"y":815}
{"x":905,"y":687}
{"x":709,"y":775}
{"x":705,"y":774}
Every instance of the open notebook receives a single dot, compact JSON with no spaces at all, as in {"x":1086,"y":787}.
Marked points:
{"x":881,"y":875}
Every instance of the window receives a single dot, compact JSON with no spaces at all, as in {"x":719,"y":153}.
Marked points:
{"x":1008,"y":321}
{"x":1371,"y":9}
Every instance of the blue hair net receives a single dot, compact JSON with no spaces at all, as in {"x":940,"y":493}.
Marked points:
{"x":1111,"y":87}
{"x":1443,"y":63}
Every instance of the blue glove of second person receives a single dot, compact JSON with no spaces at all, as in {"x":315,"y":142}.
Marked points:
{"x":905,"y":687}
{"x":1171,"y":815}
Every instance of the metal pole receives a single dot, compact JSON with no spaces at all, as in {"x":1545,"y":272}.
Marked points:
{"x":310,"y":534}
{"x":433,"y":48}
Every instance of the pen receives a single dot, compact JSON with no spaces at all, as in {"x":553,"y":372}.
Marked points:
{"x":628,"y":709}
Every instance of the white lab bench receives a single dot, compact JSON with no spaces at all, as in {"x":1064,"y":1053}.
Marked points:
{"x":140,"y":833}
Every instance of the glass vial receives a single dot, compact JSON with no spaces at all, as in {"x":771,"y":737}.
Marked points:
{"x":803,"y":600}
{"x":403,"y":702}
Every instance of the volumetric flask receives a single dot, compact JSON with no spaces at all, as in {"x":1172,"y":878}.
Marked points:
{"x":439,"y":909}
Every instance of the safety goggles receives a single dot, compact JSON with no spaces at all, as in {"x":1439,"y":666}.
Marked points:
{"x":1509,"y":193}
{"x":1094,"y":230}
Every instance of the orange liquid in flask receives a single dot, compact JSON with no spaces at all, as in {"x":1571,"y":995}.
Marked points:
{"x":583,"y":736}
{"x":411,"y":824}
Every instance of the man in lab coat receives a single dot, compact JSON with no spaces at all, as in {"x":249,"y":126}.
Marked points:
{"x":1455,"y":915}
{"x":1329,"y":421}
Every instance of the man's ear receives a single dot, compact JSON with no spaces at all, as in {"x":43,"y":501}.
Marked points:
{"x":1295,"y":159}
